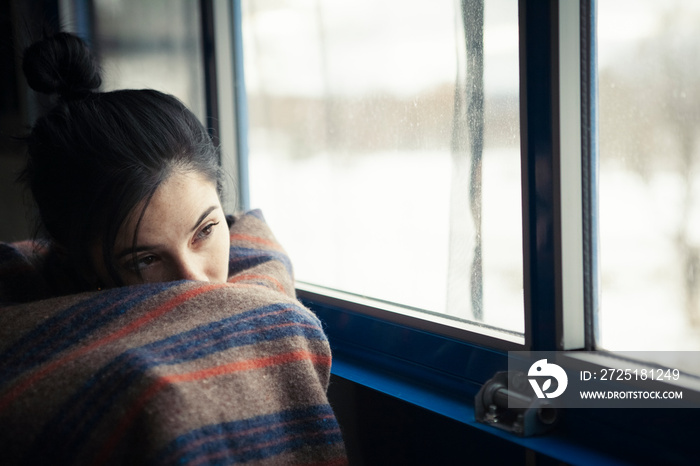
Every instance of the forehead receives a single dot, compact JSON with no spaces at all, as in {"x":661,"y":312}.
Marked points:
{"x":174,"y":208}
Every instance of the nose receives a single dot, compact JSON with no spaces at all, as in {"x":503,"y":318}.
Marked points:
{"x":189,"y":268}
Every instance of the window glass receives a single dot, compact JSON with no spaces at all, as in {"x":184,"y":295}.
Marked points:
{"x":154,"y":44}
{"x":649,"y":86}
{"x":384,"y":148}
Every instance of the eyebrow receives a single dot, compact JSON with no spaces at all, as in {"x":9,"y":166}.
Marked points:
{"x":203,"y":216}
{"x":125,"y":252}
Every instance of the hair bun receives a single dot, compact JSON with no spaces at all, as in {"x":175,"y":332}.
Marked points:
{"x":61,"y":64}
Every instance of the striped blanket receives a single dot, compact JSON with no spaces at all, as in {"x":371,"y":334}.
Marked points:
{"x":184,"y":373}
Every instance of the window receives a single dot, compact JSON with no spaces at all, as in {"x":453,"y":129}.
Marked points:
{"x":352,"y":157}
{"x":154,"y":44}
{"x":649,"y":151}
{"x":385,"y":151}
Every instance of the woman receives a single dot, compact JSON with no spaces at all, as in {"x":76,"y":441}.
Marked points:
{"x":127,"y":183}
{"x":209,"y":358}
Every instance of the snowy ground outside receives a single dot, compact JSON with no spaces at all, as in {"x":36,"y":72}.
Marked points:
{"x":377,"y":225}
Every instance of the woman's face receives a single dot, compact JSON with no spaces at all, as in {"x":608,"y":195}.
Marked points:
{"x":183,"y":235}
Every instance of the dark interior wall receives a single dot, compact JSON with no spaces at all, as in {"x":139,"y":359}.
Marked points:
{"x":21,"y":22}
{"x":381,"y":430}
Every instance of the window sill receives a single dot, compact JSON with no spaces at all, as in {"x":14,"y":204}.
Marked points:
{"x":443,"y":375}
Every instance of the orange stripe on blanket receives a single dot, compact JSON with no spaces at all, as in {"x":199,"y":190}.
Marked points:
{"x":250,"y":276}
{"x":164,"y":308}
{"x":255,"y":239}
{"x":162,"y":382}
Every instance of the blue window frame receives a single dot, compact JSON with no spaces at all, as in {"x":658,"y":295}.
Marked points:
{"x":440,"y":370}
{"x":360,"y":333}
{"x":434,"y":367}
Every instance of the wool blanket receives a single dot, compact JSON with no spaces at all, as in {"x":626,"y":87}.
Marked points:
{"x":185,"y":373}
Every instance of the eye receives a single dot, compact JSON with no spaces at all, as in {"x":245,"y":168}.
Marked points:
{"x":146,"y":261}
{"x":205,"y":232}
{"x":141,"y":263}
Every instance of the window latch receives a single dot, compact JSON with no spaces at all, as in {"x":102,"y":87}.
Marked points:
{"x":505,"y":402}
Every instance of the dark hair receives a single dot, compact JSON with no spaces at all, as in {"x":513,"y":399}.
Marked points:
{"x":96,"y":155}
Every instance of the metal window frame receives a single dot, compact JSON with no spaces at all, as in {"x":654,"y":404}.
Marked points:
{"x":439,"y":369}
{"x":225,"y":96}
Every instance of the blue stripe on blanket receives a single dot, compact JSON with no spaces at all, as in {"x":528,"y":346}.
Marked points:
{"x":71,"y":326}
{"x":85,"y":409}
{"x":253,"y":439}
{"x":246,"y":258}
